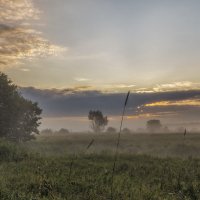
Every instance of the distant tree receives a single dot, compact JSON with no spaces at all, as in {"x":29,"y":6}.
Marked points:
{"x":111,"y":130}
{"x":98,"y":121}
{"x":154,"y":125}
{"x":126,"y":130}
{"x":63,"y":131}
{"x":19,"y":118}
{"x":47,"y":131}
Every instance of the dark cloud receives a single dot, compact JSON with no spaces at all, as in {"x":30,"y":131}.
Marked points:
{"x":77,"y":102}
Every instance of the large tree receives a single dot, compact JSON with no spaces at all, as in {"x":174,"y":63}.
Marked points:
{"x":98,"y":121}
{"x":19,"y":118}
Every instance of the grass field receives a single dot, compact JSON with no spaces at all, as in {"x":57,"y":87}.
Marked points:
{"x":159,"y":145}
{"x":149,"y":167}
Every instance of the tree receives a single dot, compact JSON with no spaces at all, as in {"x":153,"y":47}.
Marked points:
{"x":126,"y":131}
{"x":111,"y":130}
{"x":19,"y":118}
{"x":154,"y":125}
{"x":63,"y":131}
{"x":98,"y":121}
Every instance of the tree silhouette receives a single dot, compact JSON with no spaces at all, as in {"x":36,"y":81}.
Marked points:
{"x":111,"y":130}
{"x":126,"y":130}
{"x":98,"y":121}
{"x":19,"y":118}
{"x":63,"y":131}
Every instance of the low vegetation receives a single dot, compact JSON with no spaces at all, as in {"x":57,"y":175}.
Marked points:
{"x":157,"y":145}
{"x":30,"y":172}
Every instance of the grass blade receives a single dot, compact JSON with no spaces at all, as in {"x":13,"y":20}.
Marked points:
{"x":118,"y":140}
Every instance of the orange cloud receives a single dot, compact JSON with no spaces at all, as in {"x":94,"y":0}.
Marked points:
{"x":193,"y":102}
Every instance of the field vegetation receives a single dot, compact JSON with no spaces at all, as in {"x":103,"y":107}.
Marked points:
{"x":157,"y":145}
{"x":158,"y":166}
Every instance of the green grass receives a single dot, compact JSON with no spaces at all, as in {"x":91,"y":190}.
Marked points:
{"x":26,"y":174}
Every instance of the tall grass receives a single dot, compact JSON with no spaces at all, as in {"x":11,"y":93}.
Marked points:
{"x":138,"y":177}
{"x":118,"y":140}
{"x":74,"y":157}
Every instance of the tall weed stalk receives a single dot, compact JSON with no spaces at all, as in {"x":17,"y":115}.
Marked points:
{"x":118,"y":141}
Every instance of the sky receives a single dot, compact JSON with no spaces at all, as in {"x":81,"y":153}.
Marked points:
{"x":75,"y":55}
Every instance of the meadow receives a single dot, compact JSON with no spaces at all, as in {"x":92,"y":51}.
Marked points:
{"x":157,"y":166}
{"x":157,"y":145}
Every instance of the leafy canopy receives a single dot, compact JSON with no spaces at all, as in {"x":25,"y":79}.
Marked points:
{"x":98,"y":121}
{"x":19,"y":117}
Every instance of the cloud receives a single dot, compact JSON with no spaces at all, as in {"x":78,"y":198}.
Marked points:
{"x":188,"y":102}
{"x":125,"y":86}
{"x":17,"y":10}
{"x":18,"y":40}
{"x":81,"y":79}
{"x":24,"y":69}
{"x":152,"y":115}
{"x":184,"y":85}
{"x":78,"y":101}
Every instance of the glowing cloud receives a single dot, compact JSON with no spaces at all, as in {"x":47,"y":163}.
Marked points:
{"x":81,"y":79}
{"x":192,"y":102}
{"x":184,"y":85}
{"x":17,"y":39}
{"x":150,"y":115}
{"x":17,"y":10}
